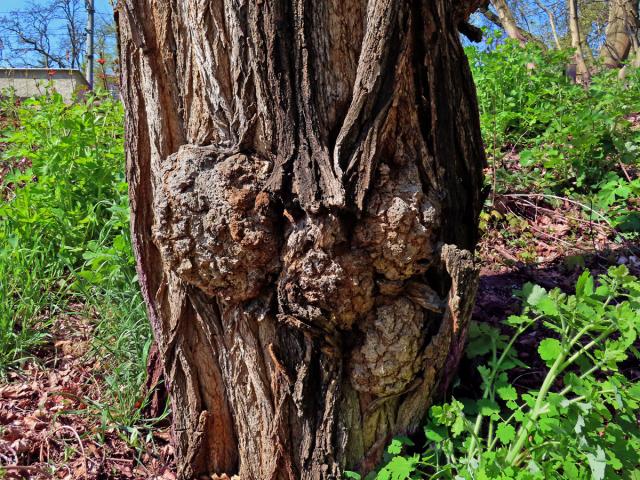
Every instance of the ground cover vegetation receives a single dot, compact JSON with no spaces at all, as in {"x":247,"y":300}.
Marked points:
{"x":67,"y":275}
{"x":549,"y":388}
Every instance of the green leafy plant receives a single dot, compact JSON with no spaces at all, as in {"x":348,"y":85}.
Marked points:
{"x":558,"y":137}
{"x":582,"y":422}
{"x":64,"y":236}
{"x":66,"y":161}
{"x":614,"y":196}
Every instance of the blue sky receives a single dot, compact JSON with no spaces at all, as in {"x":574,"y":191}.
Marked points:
{"x":102,"y":6}
{"x":104,"y":15}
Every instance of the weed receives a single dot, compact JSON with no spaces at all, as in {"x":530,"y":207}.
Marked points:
{"x":569,"y":140}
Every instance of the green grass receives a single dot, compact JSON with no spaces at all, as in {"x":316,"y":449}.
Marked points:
{"x":64,"y":237}
{"x":24,"y":296}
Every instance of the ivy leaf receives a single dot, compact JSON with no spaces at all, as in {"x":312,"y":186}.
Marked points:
{"x":549,"y":350}
{"x":505,"y":433}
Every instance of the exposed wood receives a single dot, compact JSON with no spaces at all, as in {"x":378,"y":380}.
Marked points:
{"x":305,"y":189}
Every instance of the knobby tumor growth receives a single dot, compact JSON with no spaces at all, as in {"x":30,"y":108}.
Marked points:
{"x":214,"y":226}
{"x":219,"y":231}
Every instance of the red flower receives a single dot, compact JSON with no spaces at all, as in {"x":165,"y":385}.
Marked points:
{"x":102,"y":61}
{"x":51,"y":73}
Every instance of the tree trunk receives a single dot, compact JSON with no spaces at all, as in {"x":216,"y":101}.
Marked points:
{"x":622,"y":28}
{"x":635,"y":60}
{"x":583,"y":75}
{"x":305,"y":188}
{"x":507,"y":21}
{"x":552,"y":23}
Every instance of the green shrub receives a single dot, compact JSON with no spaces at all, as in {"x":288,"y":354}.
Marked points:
{"x":75,"y":152}
{"x":569,"y":140}
{"x":64,"y":232}
{"x":64,"y":235}
{"x":519,"y":90}
{"x":53,"y":205}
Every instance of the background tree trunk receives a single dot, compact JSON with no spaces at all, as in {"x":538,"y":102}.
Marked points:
{"x":505,"y":20}
{"x":552,"y":23}
{"x":583,"y":75}
{"x":620,"y":33}
{"x":305,"y":187}
{"x":508,"y":22}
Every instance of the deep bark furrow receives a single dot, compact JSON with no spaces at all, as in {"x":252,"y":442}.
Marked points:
{"x":370,"y":98}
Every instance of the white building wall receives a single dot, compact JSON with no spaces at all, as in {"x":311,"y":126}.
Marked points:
{"x":29,"y":82}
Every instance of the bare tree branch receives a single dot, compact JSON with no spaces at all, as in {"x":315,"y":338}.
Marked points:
{"x":49,"y":35}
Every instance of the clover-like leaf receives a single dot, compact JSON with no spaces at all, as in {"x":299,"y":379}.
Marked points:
{"x":549,"y":349}
{"x":505,"y":433}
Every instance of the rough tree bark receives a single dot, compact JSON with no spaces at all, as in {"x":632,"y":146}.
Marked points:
{"x":621,"y":31}
{"x":305,"y":187}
